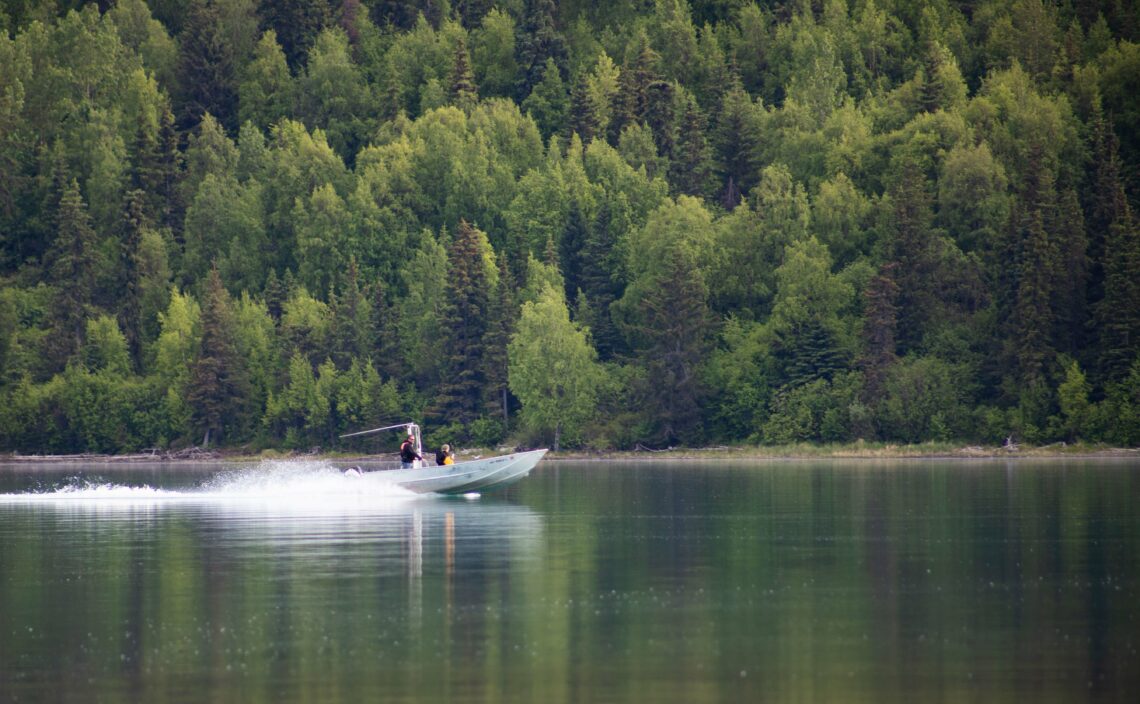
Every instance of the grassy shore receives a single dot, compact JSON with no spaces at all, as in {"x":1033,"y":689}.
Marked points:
{"x":861,"y":449}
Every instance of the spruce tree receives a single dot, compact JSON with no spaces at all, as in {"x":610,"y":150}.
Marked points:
{"x":130,"y":299}
{"x":219,"y":384}
{"x":737,"y":141}
{"x":275,"y":296}
{"x":472,"y":12}
{"x":583,"y":110}
{"x":1118,"y":315}
{"x":168,"y":174}
{"x":207,"y":73}
{"x":930,"y":95}
{"x":571,"y":250}
{"x":549,"y":103}
{"x":1106,"y":199}
{"x":350,"y":320}
{"x":598,"y":285}
{"x":460,"y":395}
{"x":880,"y":322}
{"x":537,"y":41}
{"x":1070,"y":292}
{"x":71,"y":267}
{"x":631,"y":102}
{"x":691,"y":168}
{"x":1036,"y":267}
{"x":909,"y":244}
{"x":660,"y":117}
{"x":463,"y":92}
{"x":385,"y":336}
{"x":674,"y":326}
{"x":501,"y":318}
{"x":297,"y":24}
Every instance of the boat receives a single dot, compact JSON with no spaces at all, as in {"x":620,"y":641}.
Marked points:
{"x":477,"y":475}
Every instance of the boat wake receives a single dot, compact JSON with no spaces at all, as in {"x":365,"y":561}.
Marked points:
{"x":276,"y":481}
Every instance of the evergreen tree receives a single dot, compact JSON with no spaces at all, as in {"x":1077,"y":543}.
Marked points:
{"x":571,"y":249}
{"x":880,"y":322}
{"x":550,"y":255}
{"x":583,"y":110}
{"x":219,"y":384}
{"x":71,"y":266}
{"x":809,"y":334}
{"x":538,"y":41}
{"x":463,"y":92}
{"x":1106,"y":200}
{"x":460,"y":395}
{"x":909,"y":243}
{"x":501,"y":318}
{"x":597,"y":281}
{"x":549,"y":103}
{"x":1119,"y":311}
{"x":351,"y":320}
{"x":659,"y":115}
{"x":206,"y":69}
{"x":1036,"y":266}
{"x":385,"y":332}
{"x":674,"y":324}
{"x":297,"y":24}
{"x":631,"y":101}
{"x":168,"y":174}
{"x":1070,"y":289}
{"x":472,"y":12}
{"x":736,"y":139}
{"x":275,"y":295}
{"x":691,"y":168}
{"x":930,"y":91}
{"x":144,"y":172}
{"x":267,"y":87}
{"x":130,"y":303}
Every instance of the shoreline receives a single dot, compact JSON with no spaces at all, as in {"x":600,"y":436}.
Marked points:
{"x":857,"y":450}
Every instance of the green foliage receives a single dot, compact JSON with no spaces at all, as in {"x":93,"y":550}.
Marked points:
{"x":266,"y":88}
{"x":553,"y":370}
{"x":470,"y":278}
{"x":549,"y":101}
{"x":105,"y":349}
{"x":922,"y":398}
{"x":821,"y":410}
{"x":493,"y":54}
{"x":967,"y":168}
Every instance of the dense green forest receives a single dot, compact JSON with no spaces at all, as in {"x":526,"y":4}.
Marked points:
{"x":602,"y":224}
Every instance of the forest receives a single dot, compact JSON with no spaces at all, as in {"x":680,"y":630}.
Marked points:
{"x":645,"y":223}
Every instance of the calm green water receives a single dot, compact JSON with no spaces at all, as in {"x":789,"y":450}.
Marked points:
{"x":588,"y":582}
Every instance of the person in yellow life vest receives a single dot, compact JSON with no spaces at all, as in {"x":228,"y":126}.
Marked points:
{"x":443,"y":455}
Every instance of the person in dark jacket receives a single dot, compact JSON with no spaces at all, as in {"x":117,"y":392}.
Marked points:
{"x":408,"y":454}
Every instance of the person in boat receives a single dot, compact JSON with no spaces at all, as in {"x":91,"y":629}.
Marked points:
{"x":408,"y":454}
{"x":444,"y":455}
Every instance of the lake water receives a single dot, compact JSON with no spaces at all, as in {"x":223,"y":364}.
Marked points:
{"x":692,"y":582}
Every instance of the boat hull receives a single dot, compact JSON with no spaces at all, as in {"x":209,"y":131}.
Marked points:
{"x":481,"y":475}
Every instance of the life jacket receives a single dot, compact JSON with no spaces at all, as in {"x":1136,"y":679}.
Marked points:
{"x":448,"y":460}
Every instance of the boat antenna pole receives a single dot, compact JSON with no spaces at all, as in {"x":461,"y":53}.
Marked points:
{"x":377,"y":430}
